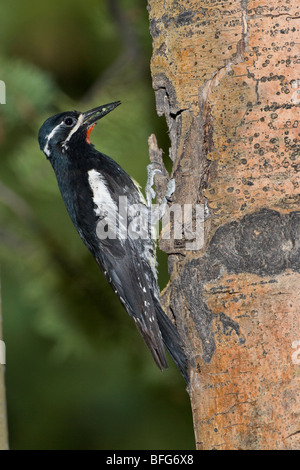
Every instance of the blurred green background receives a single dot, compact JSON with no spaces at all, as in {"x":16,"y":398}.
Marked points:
{"x":78,"y":375}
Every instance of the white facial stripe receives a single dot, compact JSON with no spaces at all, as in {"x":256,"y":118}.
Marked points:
{"x":73,"y":130}
{"x":49,"y":137}
{"x":53,"y":132}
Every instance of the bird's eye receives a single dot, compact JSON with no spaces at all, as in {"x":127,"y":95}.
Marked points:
{"x":69,"y":121}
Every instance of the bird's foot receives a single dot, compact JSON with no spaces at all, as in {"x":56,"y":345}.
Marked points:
{"x":150,"y":193}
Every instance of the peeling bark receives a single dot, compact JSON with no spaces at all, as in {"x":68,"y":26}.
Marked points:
{"x":226,"y":76}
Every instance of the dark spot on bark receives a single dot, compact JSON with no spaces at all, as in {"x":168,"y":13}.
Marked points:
{"x":166,"y":20}
{"x":229,"y":326}
{"x":201,"y":314}
{"x":154,"y":29}
{"x":247,"y":182}
{"x":185,"y":18}
{"x":265,"y":243}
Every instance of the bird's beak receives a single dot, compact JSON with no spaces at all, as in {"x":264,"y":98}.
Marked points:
{"x":92,"y":116}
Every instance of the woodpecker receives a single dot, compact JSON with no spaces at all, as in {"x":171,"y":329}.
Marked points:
{"x":92,"y":185}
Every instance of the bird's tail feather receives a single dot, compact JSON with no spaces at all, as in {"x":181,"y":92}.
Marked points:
{"x":172,"y":341}
{"x":156,"y":347}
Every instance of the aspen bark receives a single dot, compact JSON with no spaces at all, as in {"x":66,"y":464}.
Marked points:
{"x":3,"y":419}
{"x":226,"y":76}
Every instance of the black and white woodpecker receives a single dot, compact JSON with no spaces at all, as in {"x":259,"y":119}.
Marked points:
{"x":91,"y":185}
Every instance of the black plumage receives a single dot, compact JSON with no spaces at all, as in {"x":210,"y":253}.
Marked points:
{"x":91,"y":184}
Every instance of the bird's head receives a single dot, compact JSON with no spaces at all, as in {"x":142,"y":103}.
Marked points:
{"x":59,"y":132}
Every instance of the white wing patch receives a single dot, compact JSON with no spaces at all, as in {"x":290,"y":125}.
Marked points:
{"x":47,"y":150}
{"x":101,"y":195}
{"x":105,"y":207}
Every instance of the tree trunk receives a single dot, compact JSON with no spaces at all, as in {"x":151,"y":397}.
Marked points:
{"x":226,"y":77}
{"x":3,"y":421}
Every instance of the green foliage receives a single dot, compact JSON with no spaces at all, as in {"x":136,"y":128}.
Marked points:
{"x":29,"y":90}
{"x":78,"y":374}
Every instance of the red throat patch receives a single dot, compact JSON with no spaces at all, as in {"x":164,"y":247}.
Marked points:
{"x":88,"y":133}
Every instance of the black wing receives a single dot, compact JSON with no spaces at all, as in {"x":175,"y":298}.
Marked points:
{"x":126,"y":267}
{"x":133,"y":280}
{"x":124,"y":270}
